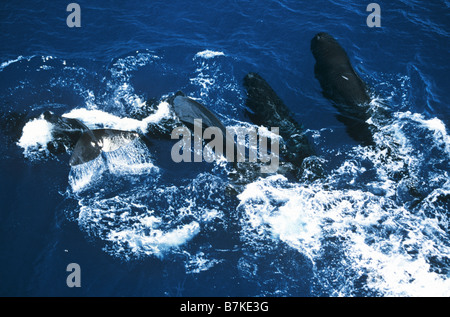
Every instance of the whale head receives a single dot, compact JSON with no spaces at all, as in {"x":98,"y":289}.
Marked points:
{"x":324,"y":47}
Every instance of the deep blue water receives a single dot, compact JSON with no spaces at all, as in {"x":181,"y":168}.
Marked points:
{"x":161,"y":229}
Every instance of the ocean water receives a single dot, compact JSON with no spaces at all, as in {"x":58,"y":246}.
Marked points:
{"x":139,"y":224}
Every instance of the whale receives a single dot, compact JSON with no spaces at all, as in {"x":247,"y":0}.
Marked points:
{"x":188,"y":110}
{"x":93,"y":143}
{"x":337,"y":77}
{"x":89,"y":143}
{"x":65,"y":132}
{"x":69,"y":135}
{"x":352,"y":97}
{"x":266,"y":108}
{"x":86,"y":144}
{"x":342,"y":85}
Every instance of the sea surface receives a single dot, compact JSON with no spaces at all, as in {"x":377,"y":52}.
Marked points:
{"x":139,"y":224}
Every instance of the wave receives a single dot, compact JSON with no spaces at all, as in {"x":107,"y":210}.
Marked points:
{"x":11,"y":61}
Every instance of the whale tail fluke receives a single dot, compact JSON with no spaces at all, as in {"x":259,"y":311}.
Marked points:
{"x":93,"y":142}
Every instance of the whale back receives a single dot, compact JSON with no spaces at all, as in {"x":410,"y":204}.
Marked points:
{"x":267,"y":109}
{"x":342,"y":85}
{"x":188,"y":110}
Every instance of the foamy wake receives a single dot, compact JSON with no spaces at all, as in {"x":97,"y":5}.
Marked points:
{"x":95,"y":119}
{"x":362,"y":238}
{"x":151,"y":219}
{"x":372,"y":239}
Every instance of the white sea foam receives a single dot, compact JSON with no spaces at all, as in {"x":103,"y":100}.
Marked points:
{"x":154,"y":241}
{"x":368,"y":230}
{"x":7,"y":63}
{"x":136,"y":224}
{"x":130,"y":229}
{"x":82,"y":176}
{"x":36,"y":134}
{"x":133,"y":158}
{"x":207,"y":54}
{"x":207,"y":72}
{"x":440,"y":135}
{"x":101,"y":119}
{"x":199,"y":263}
{"x":364,"y":234}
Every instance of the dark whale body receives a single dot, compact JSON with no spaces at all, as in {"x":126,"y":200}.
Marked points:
{"x":333,"y":69}
{"x":93,"y":142}
{"x":267,"y":109}
{"x":87,"y":144}
{"x":65,"y":132}
{"x":188,"y":110}
{"x":71,"y":135}
{"x":341,"y":84}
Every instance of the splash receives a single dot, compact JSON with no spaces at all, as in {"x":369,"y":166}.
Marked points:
{"x":95,"y":119}
{"x":148,"y":240}
{"x":36,"y":134}
{"x":150,"y":220}
{"x":207,"y":54}
{"x":371,"y":228}
{"x":83,"y":175}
